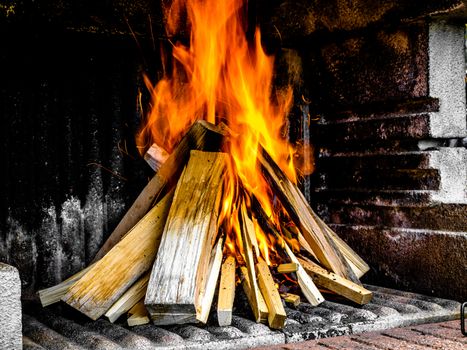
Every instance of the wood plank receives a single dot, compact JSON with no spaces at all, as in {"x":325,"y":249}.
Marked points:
{"x":301,"y":213}
{"x":358,"y":265}
{"x":55,"y":293}
{"x":201,"y":136}
{"x":180,"y":268}
{"x":155,"y":156}
{"x":128,"y":299}
{"x":308,"y":287}
{"x":138,"y":315}
{"x":336,"y":284}
{"x":226,"y":292}
{"x":277,"y":315}
{"x":207,"y":292}
{"x":258,"y":306}
{"x":95,"y":292}
{"x":290,"y":298}
{"x":246,"y":225}
{"x":287,"y":267}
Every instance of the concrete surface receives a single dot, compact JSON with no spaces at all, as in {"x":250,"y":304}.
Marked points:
{"x":388,"y":309}
{"x":10,"y":308}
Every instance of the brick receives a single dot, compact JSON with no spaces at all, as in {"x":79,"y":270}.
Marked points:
{"x":422,"y":339}
{"x":441,"y":332}
{"x":384,"y":342}
{"x":345,"y":343}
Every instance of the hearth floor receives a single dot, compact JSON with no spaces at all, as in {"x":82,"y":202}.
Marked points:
{"x":46,"y":329}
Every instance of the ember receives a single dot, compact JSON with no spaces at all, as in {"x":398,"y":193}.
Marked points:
{"x":224,"y":197}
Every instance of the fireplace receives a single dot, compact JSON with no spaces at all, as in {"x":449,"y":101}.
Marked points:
{"x":379,"y":107}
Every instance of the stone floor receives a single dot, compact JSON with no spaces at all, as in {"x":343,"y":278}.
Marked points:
{"x":445,"y":335}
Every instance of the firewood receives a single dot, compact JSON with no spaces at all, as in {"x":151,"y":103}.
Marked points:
{"x":277,"y":315}
{"x":207,"y":292}
{"x":287,"y":268}
{"x":335,"y":283}
{"x":181,"y":266}
{"x":55,"y":293}
{"x":290,"y":298}
{"x":246,"y":226}
{"x":358,"y":265}
{"x":155,"y":156}
{"x":259,"y":307}
{"x":299,"y":210}
{"x":226,"y":292}
{"x":307,"y":286}
{"x":95,"y":292}
{"x":138,"y":315}
{"x":128,"y":299}
{"x":202,"y":135}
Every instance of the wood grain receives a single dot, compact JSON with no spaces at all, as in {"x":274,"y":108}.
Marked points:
{"x":95,"y":292}
{"x":191,"y":229}
{"x":335,"y":283}
{"x":201,"y":136}
{"x":226,"y":292}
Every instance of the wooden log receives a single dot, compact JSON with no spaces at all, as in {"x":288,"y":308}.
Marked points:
{"x":258,"y":305}
{"x":226,"y":292}
{"x":277,"y":315}
{"x":138,"y":315}
{"x":181,"y":266}
{"x":358,"y":265}
{"x":135,"y":293}
{"x":155,"y":156}
{"x":336,"y":284}
{"x":299,"y":210}
{"x":55,"y":293}
{"x":287,"y":268}
{"x":95,"y":292}
{"x":201,"y":136}
{"x":309,"y":289}
{"x":208,"y":291}
{"x":290,"y":298}
{"x":246,"y":226}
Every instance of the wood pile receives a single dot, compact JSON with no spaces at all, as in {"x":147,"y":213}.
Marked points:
{"x":170,"y":259}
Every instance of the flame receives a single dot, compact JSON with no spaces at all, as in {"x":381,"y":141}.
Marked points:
{"x":221,"y":76}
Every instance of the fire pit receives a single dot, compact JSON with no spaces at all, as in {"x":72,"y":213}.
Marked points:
{"x":381,"y":97}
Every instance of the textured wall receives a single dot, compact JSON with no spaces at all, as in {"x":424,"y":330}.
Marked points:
{"x":68,"y":113}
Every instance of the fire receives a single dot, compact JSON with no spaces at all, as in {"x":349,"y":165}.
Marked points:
{"x":220,"y":76}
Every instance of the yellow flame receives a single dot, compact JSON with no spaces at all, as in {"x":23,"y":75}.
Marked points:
{"x":220,"y":75}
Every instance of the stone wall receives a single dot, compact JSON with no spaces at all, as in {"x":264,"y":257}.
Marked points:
{"x":391,"y":163}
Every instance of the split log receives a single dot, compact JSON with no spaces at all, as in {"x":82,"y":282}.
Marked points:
{"x":201,"y":136}
{"x":55,"y":293}
{"x":95,"y":292}
{"x":155,"y":156}
{"x":358,"y":265}
{"x":226,"y":292}
{"x":301,"y":213}
{"x":247,"y":231}
{"x":181,"y":266}
{"x":138,"y":315}
{"x":135,"y":293}
{"x":336,"y":284}
{"x":259,"y":307}
{"x":290,"y":298}
{"x":207,"y":292}
{"x":308,"y":287}
{"x":287,"y":268}
{"x":277,"y":315}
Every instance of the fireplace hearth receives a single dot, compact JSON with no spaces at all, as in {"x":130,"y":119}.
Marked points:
{"x":379,"y":112}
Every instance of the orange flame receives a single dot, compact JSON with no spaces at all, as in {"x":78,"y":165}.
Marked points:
{"x":222,"y":76}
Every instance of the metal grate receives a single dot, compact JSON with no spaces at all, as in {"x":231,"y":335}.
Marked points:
{"x":388,"y":309}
